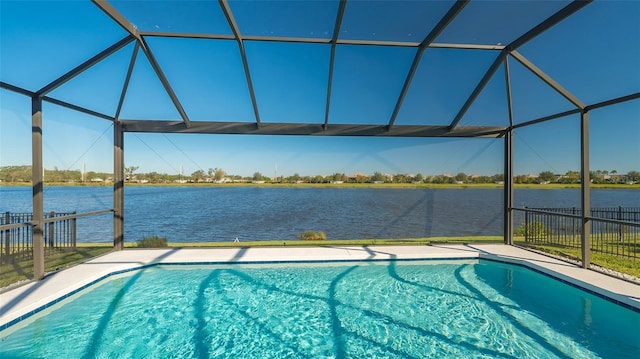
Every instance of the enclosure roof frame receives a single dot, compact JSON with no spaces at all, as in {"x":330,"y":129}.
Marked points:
{"x":210,"y":126}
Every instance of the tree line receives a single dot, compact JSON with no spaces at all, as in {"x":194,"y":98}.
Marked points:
{"x":218,"y":175}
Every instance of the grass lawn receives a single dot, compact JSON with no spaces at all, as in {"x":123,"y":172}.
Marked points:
{"x":23,"y":270}
{"x":616,"y":263}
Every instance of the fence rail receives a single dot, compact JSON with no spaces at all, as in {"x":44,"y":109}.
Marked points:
{"x":614,"y":230}
{"x":16,"y":234}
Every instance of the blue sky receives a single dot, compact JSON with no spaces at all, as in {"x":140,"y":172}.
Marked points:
{"x":593,"y":54}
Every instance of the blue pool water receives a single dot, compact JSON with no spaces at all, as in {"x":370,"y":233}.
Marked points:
{"x":453,"y":309}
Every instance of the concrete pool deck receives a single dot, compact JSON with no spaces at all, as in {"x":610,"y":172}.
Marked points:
{"x":28,"y":299}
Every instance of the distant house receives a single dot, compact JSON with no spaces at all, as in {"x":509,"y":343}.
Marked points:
{"x":354,"y":177}
{"x":97,"y":179}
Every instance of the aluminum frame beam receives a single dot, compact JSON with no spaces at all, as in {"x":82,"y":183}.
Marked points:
{"x":16,"y":89}
{"x":453,"y":11}
{"x":165,"y":82}
{"x":560,"y":15}
{"x":224,"y":5}
{"x":507,"y":85}
{"x":118,"y":187}
{"x":614,"y":101}
{"x":585,"y":190}
{"x":508,"y":187}
{"x":334,"y":39}
{"x":118,"y":18}
{"x":303,"y":129}
{"x":52,"y":100}
{"x":85,"y":66}
{"x":547,"y":79}
{"x":37,"y":178}
{"x":476,"y":92}
{"x":508,"y":162}
{"x":133,"y":31}
{"x":551,"y":21}
{"x":77,"y":108}
{"x":317,"y":40}
{"x":125,"y":85}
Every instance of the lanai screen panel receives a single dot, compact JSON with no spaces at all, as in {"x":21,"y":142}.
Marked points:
{"x":285,"y":67}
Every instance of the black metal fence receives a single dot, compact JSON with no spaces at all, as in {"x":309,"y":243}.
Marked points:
{"x":17,"y":235}
{"x":614,"y":230}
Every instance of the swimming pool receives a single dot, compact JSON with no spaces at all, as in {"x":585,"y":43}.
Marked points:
{"x":470,"y":308}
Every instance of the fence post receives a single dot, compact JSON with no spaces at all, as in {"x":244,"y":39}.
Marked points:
{"x":73,"y":232}
{"x":7,"y":240}
{"x":526,"y":224}
{"x":619,"y":226}
{"x":51,"y":230}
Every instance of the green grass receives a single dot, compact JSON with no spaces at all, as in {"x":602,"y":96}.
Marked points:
{"x":616,"y":263}
{"x":152,"y":242}
{"x":340,"y":242}
{"x":23,"y":270}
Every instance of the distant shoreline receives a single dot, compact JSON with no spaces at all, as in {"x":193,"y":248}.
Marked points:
{"x":339,"y":185}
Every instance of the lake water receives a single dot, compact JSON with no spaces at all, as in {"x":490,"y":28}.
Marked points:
{"x":199,"y":214}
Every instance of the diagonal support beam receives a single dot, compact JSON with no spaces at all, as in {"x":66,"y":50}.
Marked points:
{"x":334,"y":40}
{"x":551,"y":21}
{"x":165,"y":83}
{"x":77,"y":108}
{"x":560,"y":15}
{"x":85,"y":66}
{"x":547,"y":79}
{"x":437,"y":30}
{"x":16,"y":89}
{"x":125,"y":86}
{"x":70,"y":106}
{"x":236,"y":32}
{"x":133,"y":31}
{"x":476,"y":92}
{"x":116,"y":16}
{"x":630,"y":97}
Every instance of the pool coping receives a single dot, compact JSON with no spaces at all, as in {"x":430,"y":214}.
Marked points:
{"x":23,"y":302}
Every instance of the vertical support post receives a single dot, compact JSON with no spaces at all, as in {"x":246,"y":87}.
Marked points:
{"x":118,"y":186}
{"x":36,"y":180}
{"x":508,"y":187}
{"x":508,"y":161}
{"x":585,"y":189}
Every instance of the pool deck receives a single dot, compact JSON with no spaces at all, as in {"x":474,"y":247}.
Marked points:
{"x":30,"y":298}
